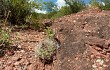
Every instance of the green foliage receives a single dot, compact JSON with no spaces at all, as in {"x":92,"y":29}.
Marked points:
{"x":51,"y":14}
{"x":19,"y":10}
{"x":4,"y":36}
{"x":106,"y":6}
{"x":50,"y":6}
{"x":65,"y":10}
{"x":94,"y":3}
{"x":50,"y":33}
{"x":75,"y":5}
{"x":102,"y":4}
{"x":34,"y":21}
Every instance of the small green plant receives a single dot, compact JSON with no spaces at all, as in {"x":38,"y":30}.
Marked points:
{"x":5,"y":37}
{"x":50,"y":33}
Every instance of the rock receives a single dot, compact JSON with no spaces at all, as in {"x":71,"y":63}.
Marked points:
{"x":33,"y":67}
{"x":15,"y":58}
{"x":16,"y":63}
{"x":47,"y":23}
{"x":91,"y":28}
{"x":10,"y":52}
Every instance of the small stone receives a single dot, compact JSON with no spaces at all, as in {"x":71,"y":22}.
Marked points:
{"x":16,"y":63}
{"x":72,"y":30}
{"x":8,"y":68}
{"x":15,"y":58}
{"x":85,"y":22}
{"x":100,"y":61}
{"x":100,"y":68}
{"x":19,"y":46}
{"x":22,"y":51}
{"x":10,"y":53}
{"x":10,"y":62}
{"x":74,"y":21}
{"x":94,"y":66}
{"x":105,"y":65}
{"x":32,"y":67}
{"x":68,"y":60}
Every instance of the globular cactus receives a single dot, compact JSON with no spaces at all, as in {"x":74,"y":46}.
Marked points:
{"x":46,"y":49}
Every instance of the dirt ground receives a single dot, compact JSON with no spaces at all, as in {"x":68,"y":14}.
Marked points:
{"x":84,"y":44}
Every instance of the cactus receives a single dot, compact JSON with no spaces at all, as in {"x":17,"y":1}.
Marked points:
{"x":46,"y":49}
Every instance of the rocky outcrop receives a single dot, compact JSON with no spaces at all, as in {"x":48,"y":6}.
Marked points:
{"x":85,"y":39}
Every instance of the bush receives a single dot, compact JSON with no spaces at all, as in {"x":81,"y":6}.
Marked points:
{"x":65,"y":10}
{"x":75,"y":5}
{"x":4,"y":37}
{"x":19,"y":10}
{"x":94,"y":3}
{"x":106,"y":5}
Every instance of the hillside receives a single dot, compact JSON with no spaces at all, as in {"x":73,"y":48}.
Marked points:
{"x":84,"y":40}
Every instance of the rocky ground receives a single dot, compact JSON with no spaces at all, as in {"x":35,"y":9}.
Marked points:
{"x":84,"y":39}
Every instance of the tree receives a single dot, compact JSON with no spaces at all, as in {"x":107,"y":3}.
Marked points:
{"x":106,"y":1}
{"x":106,"y":5}
{"x":50,"y":6}
{"x":75,"y":5}
{"x":65,"y":10}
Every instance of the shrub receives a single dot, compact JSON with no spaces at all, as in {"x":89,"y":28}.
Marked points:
{"x":105,"y":5}
{"x":19,"y":10}
{"x":75,"y":5}
{"x":94,"y":3}
{"x":4,"y":37}
{"x":65,"y":10}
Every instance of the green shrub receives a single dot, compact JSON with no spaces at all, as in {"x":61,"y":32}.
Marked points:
{"x":4,"y":37}
{"x":106,"y":6}
{"x":94,"y":3}
{"x":65,"y":10}
{"x":19,"y":10}
{"x":75,"y":5}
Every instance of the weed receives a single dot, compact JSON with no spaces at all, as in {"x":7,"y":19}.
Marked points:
{"x":50,"y":33}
